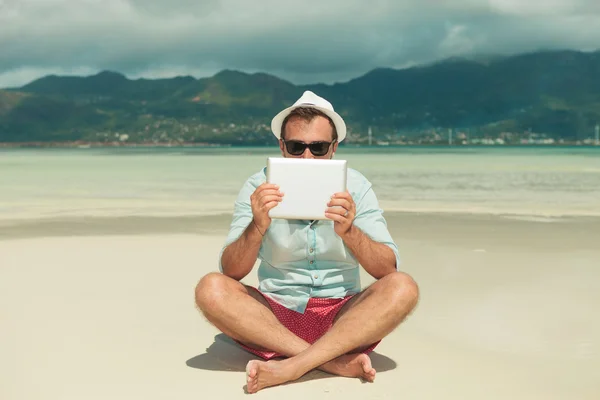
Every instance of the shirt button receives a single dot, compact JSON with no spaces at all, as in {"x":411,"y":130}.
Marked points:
{"x":311,"y":261}
{"x":316,"y":276}
{"x":311,"y":250}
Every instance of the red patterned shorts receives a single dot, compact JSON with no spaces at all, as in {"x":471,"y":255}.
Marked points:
{"x":317,"y":319}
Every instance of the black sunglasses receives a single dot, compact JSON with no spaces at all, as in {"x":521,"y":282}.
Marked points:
{"x":296,"y":147}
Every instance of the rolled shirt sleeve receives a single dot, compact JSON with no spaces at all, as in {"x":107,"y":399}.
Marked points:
{"x":369,"y":219}
{"x":242,"y":213}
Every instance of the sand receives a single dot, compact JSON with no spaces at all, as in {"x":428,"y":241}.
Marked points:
{"x":103,"y":309}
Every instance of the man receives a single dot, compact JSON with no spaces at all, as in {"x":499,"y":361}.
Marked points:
{"x":308,"y":307}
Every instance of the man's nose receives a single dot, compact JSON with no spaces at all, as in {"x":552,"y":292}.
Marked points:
{"x":307,"y":153}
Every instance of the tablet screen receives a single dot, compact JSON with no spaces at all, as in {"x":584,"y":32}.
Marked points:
{"x":307,"y":184}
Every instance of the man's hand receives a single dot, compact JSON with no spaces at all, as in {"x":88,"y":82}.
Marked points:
{"x":264,"y":198}
{"x":376,"y":258}
{"x":239,"y":257}
{"x":342,"y":210}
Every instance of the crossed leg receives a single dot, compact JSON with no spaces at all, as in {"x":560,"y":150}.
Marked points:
{"x":367,"y":318}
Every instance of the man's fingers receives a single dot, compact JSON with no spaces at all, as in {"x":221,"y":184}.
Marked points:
{"x":340,"y":202}
{"x":342,"y":195}
{"x":337,"y":210}
{"x":270,"y":205}
{"x":266,"y":186}
{"x":265,"y":192}
{"x":334,"y":216}
{"x":269,"y":199}
{"x":269,"y":192}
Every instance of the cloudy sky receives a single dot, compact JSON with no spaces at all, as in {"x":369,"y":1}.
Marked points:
{"x":303,"y":41}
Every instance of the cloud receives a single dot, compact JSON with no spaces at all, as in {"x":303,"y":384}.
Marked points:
{"x":309,"y":41}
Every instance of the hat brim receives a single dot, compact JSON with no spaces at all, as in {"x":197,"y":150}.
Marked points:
{"x":340,"y":125}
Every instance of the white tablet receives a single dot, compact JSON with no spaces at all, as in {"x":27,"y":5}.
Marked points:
{"x":307,"y":184}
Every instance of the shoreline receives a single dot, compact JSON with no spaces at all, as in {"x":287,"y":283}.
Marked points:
{"x":99,"y":145}
{"x":485,"y":231}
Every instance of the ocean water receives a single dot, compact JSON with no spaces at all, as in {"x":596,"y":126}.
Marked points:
{"x":524,"y":182}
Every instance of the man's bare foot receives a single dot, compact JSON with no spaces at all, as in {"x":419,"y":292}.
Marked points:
{"x":352,"y":366}
{"x":262,"y":374}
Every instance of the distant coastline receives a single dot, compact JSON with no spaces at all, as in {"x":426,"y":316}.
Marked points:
{"x":85,"y":145}
{"x":551,"y":100}
{"x":79,"y":144}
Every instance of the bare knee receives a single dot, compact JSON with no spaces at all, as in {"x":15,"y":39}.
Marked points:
{"x":211,"y":291}
{"x":403,"y":289}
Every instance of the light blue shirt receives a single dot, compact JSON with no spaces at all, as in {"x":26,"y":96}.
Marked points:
{"x":300,"y":259}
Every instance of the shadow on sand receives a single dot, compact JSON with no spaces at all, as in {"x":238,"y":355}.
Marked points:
{"x":226,"y":355}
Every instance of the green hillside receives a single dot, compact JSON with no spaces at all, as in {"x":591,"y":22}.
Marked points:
{"x":556,"y":94}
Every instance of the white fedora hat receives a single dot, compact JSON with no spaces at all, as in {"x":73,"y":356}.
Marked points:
{"x":309,"y":99}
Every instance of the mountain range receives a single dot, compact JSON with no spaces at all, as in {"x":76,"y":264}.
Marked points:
{"x":556,"y":93}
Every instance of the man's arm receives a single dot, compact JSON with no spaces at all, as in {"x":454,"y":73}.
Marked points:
{"x":364,"y":231}
{"x":376,"y":258}
{"x":252,"y":216}
{"x":239,"y":257}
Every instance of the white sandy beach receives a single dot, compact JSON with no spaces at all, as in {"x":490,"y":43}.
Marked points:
{"x":508,"y":311}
